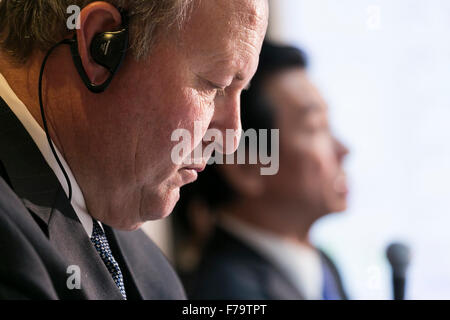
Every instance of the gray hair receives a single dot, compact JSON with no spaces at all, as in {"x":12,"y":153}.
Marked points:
{"x":26,"y":25}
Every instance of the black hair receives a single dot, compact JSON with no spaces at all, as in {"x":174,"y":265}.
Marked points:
{"x":256,"y":111}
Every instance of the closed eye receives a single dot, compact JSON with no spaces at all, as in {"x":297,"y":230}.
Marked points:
{"x":220,"y":91}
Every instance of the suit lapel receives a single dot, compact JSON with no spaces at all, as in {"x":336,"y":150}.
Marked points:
{"x":35,"y":183}
{"x":78,"y":250}
{"x":28,"y":173}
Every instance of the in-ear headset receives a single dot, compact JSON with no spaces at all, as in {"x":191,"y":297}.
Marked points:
{"x":108,"y":49}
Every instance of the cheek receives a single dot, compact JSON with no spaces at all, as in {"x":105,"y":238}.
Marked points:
{"x":159,"y":116}
{"x":311,"y":163}
{"x":321,"y":171}
{"x":195,"y":116}
{"x":182,"y":109}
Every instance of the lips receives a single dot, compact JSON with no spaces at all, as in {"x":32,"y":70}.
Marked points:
{"x":198,"y":169}
{"x":188,"y":175}
{"x":341,"y":185}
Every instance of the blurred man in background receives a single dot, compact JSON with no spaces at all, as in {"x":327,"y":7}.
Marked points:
{"x":260,"y":246}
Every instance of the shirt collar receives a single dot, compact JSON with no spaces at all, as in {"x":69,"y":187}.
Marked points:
{"x":38,"y":135}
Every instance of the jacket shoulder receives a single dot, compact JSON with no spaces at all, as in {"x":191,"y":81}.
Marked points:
{"x":23,"y":274}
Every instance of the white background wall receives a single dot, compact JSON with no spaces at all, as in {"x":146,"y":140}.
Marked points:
{"x":384,"y":67}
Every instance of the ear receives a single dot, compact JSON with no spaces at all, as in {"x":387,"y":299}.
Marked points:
{"x":95,"y":18}
{"x":244,"y":178}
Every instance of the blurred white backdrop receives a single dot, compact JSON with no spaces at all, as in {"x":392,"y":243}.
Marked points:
{"x":384,"y":67}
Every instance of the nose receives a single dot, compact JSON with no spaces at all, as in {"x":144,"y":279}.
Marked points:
{"x":341,"y":149}
{"x":227,"y":119}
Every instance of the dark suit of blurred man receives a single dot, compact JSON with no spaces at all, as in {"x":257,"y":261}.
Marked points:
{"x":260,"y":248}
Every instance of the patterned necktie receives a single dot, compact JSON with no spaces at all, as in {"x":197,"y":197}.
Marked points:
{"x":102,"y":246}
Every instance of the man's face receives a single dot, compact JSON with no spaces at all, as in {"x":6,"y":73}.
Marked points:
{"x":129,"y":156}
{"x":311,"y":177}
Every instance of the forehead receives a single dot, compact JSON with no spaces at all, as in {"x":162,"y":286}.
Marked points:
{"x":225,"y":34}
{"x":292,"y":93}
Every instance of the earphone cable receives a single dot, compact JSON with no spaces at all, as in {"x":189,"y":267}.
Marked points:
{"x":44,"y":120}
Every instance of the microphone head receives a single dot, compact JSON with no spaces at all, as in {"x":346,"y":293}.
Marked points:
{"x":399,"y":256}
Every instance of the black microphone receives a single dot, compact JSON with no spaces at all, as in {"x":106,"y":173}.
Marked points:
{"x":399,"y":256}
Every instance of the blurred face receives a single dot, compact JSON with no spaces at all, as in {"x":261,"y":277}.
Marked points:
{"x":311,"y":177}
{"x":128,"y":176}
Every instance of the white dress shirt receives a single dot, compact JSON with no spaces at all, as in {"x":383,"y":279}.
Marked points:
{"x":301,"y":264}
{"x":40,"y":139}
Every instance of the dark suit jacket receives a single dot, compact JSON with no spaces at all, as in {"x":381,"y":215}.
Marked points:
{"x":230,"y":269}
{"x":41,"y":236}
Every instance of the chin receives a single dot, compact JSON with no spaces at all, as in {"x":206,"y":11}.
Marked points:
{"x":125,"y":225}
{"x":153,"y":207}
{"x":161,"y":206}
{"x":131,"y":227}
{"x":339,"y":205}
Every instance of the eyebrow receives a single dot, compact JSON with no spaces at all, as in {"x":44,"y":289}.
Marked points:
{"x":215,"y":85}
{"x":311,"y":109}
{"x":239,"y":77}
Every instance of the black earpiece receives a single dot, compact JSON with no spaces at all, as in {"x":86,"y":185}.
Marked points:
{"x":108,"y":49}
